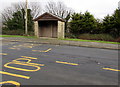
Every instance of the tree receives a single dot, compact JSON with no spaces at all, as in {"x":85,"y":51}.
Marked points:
{"x":58,"y":8}
{"x":18,"y":21}
{"x":99,"y":27}
{"x":111,"y":24}
{"x":89,"y":23}
{"x":76,"y":23}
{"x":8,"y":12}
{"x":82,"y":23}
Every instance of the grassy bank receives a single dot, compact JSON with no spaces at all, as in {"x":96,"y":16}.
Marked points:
{"x":102,"y":38}
{"x":68,"y":39}
{"x":17,"y":36}
{"x":91,"y":41}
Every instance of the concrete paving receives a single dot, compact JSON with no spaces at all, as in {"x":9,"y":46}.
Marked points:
{"x":34,"y":63}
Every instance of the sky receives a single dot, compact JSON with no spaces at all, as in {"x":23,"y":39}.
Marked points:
{"x":99,"y":8}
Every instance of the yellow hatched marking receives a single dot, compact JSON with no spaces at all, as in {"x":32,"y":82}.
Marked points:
{"x":16,"y":75}
{"x":11,"y":82}
{"x":111,"y":69}
{"x":3,"y":54}
{"x":67,"y":63}
{"x":43,"y":50}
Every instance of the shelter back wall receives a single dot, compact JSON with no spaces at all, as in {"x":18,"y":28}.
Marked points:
{"x":48,"y":29}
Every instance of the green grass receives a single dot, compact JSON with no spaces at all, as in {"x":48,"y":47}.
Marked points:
{"x":91,"y":41}
{"x":63,"y":39}
{"x":17,"y":36}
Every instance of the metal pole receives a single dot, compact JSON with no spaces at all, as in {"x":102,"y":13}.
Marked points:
{"x":26,"y":18}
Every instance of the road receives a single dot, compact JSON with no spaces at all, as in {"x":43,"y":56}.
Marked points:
{"x":43,"y":64}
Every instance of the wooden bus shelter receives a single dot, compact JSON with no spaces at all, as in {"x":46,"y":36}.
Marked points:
{"x":49,"y":25}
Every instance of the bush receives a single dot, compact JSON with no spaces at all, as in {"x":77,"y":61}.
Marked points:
{"x":102,"y":37}
{"x":69,"y":35}
{"x":117,"y":40}
{"x":31,"y":33}
{"x":17,"y":32}
{"x":13,"y":32}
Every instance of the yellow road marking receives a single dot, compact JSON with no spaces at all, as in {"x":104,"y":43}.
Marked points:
{"x":67,"y":63}
{"x":30,"y":41}
{"x":43,"y":50}
{"x":11,"y":82}
{"x":33,"y":44}
{"x":25,"y":45}
{"x":18,"y":45}
{"x":30,"y":46}
{"x":12,"y":48}
{"x":47,"y":50}
{"x":15,"y":48}
{"x":18,"y":60}
{"x":16,"y":75}
{"x":3,"y":54}
{"x":27,"y":63}
{"x":21,"y":69}
{"x":35,"y":50}
{"x":15,"y":40}
{"x":28,"y":57}
{"x":111,"y":69}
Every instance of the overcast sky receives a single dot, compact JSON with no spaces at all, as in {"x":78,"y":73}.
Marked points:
{"x":99,"y":8}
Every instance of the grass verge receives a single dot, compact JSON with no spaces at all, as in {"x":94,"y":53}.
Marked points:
{"x":90,"y":41}
{"x":63,"y":39}
{"x":17,"y":36}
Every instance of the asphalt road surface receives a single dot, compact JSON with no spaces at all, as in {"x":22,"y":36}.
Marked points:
{"x":42,"y":64}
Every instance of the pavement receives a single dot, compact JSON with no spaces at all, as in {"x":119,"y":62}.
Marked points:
{"x":63,"y":42}
{"x":36,"y":63}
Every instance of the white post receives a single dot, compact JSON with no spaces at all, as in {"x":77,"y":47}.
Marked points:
{"x":26,"y":28}
{"x":119,"y":5}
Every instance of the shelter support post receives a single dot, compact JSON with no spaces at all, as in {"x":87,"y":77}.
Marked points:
{"x":36,"y":28}
{"x":61,"y":29}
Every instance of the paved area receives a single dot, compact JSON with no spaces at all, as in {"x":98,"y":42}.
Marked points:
{"x":62,"y":42}
{"x":32,"y":63}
